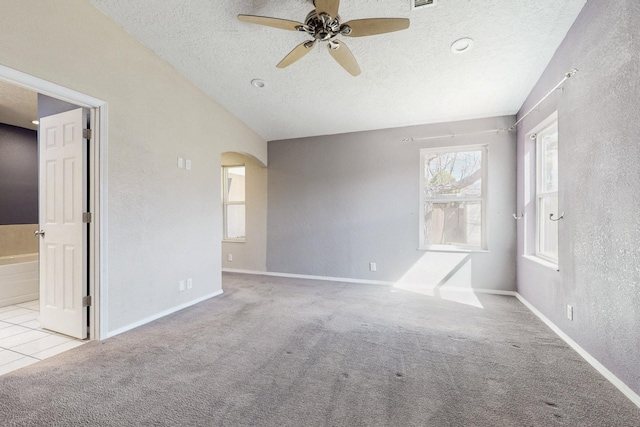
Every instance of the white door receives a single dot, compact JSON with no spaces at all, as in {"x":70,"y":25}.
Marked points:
{"x":63,"y":243}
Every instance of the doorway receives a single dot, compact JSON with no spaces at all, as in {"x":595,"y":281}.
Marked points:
{"x":91,"y":269}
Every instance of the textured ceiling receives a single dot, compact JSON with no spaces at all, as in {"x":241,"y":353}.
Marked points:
{"x":18,"y":106}
{"x":408,"y":77}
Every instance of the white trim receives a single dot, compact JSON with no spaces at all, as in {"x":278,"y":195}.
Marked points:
{"x":226,"y":203}
{"x":305,"y":276}
{"x":484,"y":149}
{"x":162,"y":314}
{"x":362,"y":281}
{"x":541,"y":261}
{"x":44,"y":87}
{"x":101,"y":289}
{"x":452,"y":248}
{"x":553,"y":117}
{"x":625,"y":389}
{"x":19,"y":299}
{"x":541,"y":230}
{"x":99,"y":283}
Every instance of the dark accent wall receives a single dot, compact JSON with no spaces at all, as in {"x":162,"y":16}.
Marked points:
{"x":18,"y":175}
{"x":599,"y":164}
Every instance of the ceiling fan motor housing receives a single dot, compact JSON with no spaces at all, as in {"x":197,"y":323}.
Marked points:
{"x":323,"y":27}
{"x":324,"y":24}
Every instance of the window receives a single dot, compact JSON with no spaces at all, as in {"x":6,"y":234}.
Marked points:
{"x":453,"y":197}
{"x":233,"y":200}
{"x":547,"y":192}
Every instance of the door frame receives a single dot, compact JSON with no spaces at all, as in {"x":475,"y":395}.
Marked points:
{"x":97,"y":162}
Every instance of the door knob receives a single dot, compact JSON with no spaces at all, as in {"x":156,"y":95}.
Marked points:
{"x":39,"y":233}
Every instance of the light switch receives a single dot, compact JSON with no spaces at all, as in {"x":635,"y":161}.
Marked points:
{"x":180,"y":163}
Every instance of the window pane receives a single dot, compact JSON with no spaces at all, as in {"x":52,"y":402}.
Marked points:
{"x":453,"y":223}
{"x":454,"y":174}
{"x":235,"y":222}
{"x":235,"y":184}
{"x":548,"y":243}
{"x":549,"y":158}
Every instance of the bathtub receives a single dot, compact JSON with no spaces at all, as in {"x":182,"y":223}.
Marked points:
{"x":18,"y":279}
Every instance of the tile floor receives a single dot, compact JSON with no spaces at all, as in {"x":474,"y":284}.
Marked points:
{"x":23,"y":342}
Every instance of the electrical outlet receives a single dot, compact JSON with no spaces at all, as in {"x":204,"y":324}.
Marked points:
{"x":373,"y":266}
{"x":569,"y":312}
{"x":181,"y":285}
{"x":187,"y":164}
{"x":229,"y":257}
{"x":189,"y":283}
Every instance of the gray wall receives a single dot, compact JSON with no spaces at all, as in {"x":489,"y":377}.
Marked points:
{"x":599,"y":131}
{"x":338,"y":202}
{"x":18,"y":175}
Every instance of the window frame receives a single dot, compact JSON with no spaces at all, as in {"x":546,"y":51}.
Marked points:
{"x":226,"y":203}
{"x":483,"y":199}
{"x":543,"y":127}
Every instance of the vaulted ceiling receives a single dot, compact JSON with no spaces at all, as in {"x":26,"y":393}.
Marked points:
{"x":408,"y":77}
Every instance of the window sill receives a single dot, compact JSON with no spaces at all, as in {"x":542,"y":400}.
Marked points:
{"x":234,"y":241}
{"x":453,"y":249}
{"x":542,"y":262}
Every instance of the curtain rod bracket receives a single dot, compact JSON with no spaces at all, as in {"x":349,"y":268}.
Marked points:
{"x":571,"y":73}
{"x":511,"y":128}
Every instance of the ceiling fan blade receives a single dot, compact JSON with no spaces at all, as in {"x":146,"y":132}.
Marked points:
{"x":271,"y":22}
{"x":298,"y":52}
{"x":330,"y":7}
{"x":344,"y":57}
{"x":373,"y":26}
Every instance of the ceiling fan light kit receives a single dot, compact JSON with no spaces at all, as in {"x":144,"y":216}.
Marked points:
{"x":324,"y":25}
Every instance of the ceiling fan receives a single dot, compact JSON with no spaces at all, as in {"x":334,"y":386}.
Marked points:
{"x":324,"y":25}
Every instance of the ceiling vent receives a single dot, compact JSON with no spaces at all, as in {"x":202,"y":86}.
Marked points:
{"x":419,"y":4}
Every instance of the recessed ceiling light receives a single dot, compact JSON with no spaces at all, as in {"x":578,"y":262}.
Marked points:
{"x":258,"y":83}
{"x":35,"y":122}
{"x":461,"y":45}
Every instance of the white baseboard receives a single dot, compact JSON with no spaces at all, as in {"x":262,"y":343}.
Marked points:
{"x":305,"y":276}
{"x":19,"y":299}
{"x":625,"y":389}
{"x":162,"y":314}
{"x":360,"y":281}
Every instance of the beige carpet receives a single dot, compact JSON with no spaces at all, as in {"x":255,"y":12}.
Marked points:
{"x":288,"y":352}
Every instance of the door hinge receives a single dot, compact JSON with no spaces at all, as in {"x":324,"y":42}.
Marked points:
{"x":87,"y":217}
{"x":86,"y":301}
{"x":87,"y":133}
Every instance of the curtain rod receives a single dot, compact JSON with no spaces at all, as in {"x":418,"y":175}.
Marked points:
{"x":453,"y":135}
{"x":567,"y":76}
